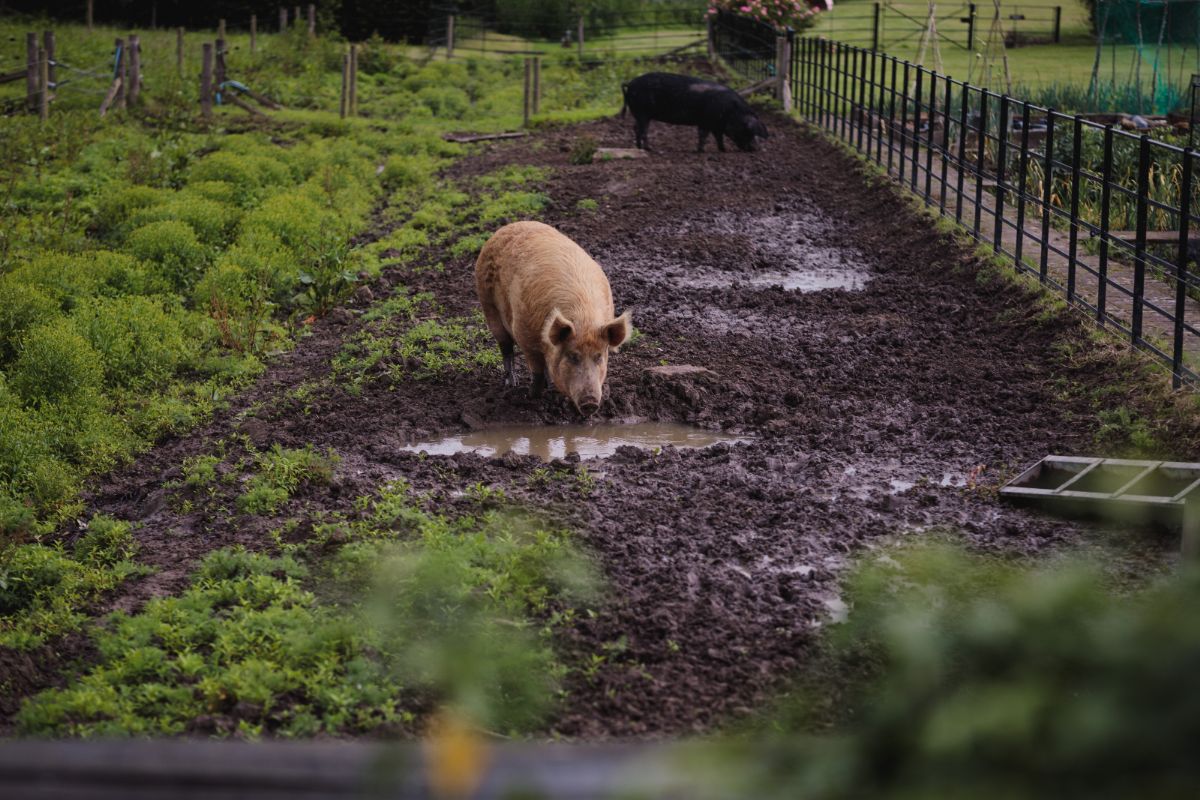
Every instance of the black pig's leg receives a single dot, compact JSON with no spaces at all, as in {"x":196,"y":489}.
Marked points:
{"x":720,"y":141}
{"x":641,"y":125}
{"x":703,"y":139}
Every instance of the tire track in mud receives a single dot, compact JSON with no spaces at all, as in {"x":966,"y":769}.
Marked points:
{"x":870,"y":408}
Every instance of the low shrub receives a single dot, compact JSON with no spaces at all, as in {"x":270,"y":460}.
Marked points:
{"x":21,"y":308}
{"x":139,"y":343}
{"x":55,"y":364}
{"x":173,"y":250}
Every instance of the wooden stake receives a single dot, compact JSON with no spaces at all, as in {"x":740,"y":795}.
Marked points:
{"x":206,"y":80}
{"x":48,"y":44}
{"x":31,"y":72}
{"x":345,"y":83}
{"x":108,"y":98}
{"x":90,"y":8}
{"x":580,"y":36}
{"x":783,"y":70}
{"x":354,"y":80}
{"x":179,"y":51}
{"x":296,"y":16}
{"x":312,"y":19}
{"x":712,"y":47}
{"x":135,"y":69}
{"x":282,"y":19}
{"x":450,"y":36}
{"x":537,"y":83}
{"x":43,"y":85}
{"x":253,"y":33}
{"x":219,"y":65}
{"x":528,"y":82}
{"x":220,"y":30}
{"x":122,"y":73}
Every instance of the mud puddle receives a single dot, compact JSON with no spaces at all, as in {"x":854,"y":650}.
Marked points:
{"x":549,"y":442}
{"x":797,"y":250}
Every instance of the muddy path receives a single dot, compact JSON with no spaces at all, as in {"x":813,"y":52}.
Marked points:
{"x":892,"y":401}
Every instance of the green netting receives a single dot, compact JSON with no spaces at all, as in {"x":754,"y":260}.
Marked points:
{"x":1165,"y":37}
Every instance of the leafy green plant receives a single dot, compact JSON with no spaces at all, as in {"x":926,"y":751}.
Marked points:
{"x":280,"y":472}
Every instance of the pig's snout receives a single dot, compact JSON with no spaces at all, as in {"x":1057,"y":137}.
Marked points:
{"x":588,"y":405}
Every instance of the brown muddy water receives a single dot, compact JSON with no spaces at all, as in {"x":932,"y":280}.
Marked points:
{"x":549,"y":442}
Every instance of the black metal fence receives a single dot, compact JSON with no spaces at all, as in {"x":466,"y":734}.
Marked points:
{"x":745,"y":44}
{"x":1102,"y":214}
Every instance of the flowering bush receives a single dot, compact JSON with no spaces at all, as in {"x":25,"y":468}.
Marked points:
{"x":777,"y":13}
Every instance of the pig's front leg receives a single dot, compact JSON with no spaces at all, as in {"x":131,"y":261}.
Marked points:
{"x":510,"y":379}
{"x":537,"y":365}
{"x":703,"y":139}
{"x":720,"y":137}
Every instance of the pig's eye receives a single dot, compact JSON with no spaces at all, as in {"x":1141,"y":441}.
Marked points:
{"x":574,"y":358}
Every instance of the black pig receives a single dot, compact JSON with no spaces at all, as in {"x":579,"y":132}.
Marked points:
{"x":680,"y":100}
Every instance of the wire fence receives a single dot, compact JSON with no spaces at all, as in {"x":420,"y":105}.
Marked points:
{"x":964,"y":26}
{"x":1104,"y":216}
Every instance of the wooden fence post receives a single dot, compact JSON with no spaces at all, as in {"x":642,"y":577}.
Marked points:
{"x":135,"y":69}
{"x":282,"y":19}
{"x":528,"y":81}
{"x":43,"y":84}
{"x":90,"y":15}
{"x":206,"y":78}
{"x":220,"y":30}
{"x":219,"y":66}
{"x":354,"y":80}
{"x":580,"y":36}
{"x":48,"y":44}
{"x":179,"y":51}
{"x":253,"y":33}
{"x":345,"y":83}
{"x":312,"y":19}
{"x":122,"y":74}
{"x":537,"y":83}
{"x":450,"y":36}
{"x":712,"y":48}
{"x":784,"y":69}
{"x":31,"y":72}
{"x":296,"y":17}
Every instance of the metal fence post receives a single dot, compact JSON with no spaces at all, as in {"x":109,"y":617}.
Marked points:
{"x":945,"y":143}
{"x":1073,"y":247}
{"x":1022,"y":185}
{"x":1105,"y":205}
{"x":892,"y":112}
{"x":979,"y":161}
{"x":916,"y":138}
{"x":875,"y":29}
{"x":864,"y":119}
{"x":929,"y":143}
{"x":961,"y":166}
{"x":903,"y":120}
{"x":1047,"y":194}
{"x":1139,"y":252}
{"x":872,"y":56}
{"x":1001,"y":168}
{"x":1181,"y":260}
{"x":844,"y":98}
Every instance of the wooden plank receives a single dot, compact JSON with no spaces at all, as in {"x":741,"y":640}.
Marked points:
{"x":766,"y":83}
{"x":242,"y":104}
{"x":15,"y":75}
{"x":1152,"y":237}
{"x":108,"y":98}
{"x":464,"y":138}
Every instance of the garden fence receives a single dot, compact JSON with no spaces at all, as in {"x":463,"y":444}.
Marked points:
{"x":1101,"y":214}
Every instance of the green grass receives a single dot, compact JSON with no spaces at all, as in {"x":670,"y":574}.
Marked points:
{"x":279,"y":472}
{"x":411,"y":607}
{"x":1036,"y":66}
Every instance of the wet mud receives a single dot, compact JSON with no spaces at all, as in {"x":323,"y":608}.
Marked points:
{"x":893,"y":404}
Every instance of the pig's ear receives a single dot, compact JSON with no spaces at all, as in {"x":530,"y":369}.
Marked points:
{"x":617,"y":331}
{"x":557,"y":330}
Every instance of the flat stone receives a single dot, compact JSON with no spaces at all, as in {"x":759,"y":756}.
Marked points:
{"x":679,"y":371}
{"x":614,"y":153}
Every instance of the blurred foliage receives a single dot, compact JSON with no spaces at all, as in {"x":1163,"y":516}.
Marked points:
{"x":959,"y":676}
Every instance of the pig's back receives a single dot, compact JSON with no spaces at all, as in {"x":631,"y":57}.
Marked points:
{"x":677,"y":99}
{"x":528,"y":269}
